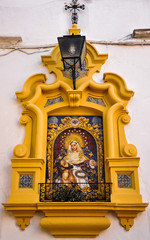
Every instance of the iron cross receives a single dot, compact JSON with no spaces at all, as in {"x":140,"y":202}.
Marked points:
{"x":74,"y":7}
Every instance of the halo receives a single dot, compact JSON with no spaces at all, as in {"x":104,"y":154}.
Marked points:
{"x":74,"y":137}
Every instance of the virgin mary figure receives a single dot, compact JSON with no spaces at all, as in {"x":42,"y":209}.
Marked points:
{"x":75,"y":166}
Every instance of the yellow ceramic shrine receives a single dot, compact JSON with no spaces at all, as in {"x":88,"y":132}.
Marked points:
{"x":34,"y":159}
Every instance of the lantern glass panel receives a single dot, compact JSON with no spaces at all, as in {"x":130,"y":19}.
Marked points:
{"x":83,"y":54}
{"x":71,"y":47}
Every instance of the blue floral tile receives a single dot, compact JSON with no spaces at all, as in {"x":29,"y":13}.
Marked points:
{"x":96,"y":101}
{"x":124,"y":180}
{"x":53,"y":101}
{"x":79,"y":73}
{"x":26,"y":181}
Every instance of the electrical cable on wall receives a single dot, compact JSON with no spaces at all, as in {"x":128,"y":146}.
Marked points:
{"x":126,"y":41}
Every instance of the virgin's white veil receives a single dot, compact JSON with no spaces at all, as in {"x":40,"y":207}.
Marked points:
{"x":79,"y":149}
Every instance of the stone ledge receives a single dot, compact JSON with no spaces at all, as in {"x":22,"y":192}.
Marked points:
{"x":7,"y":40}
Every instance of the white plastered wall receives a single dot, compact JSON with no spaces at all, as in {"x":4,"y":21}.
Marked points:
{"x":40,"y":22}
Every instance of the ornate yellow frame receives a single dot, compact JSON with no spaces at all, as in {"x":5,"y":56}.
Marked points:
{"x":83,"y":219}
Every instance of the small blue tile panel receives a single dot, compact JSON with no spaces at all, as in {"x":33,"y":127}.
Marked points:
{"x":26,"y":181}
{"x":96,"y":100}
{"x":53,"y":101}
{"x":124,"y":180}
{"x":79,"y":73}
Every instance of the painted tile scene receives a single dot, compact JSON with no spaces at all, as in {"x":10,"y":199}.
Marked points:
{"x":75,"y":159}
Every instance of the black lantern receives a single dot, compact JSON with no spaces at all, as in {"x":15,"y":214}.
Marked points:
{"x":73,"y":51}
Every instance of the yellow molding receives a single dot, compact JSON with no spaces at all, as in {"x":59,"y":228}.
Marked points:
{"x":94,"y":61}
{"x":110,"y":128}
{"x":123,"y":162}
{"x":29,"y":162}
{"x":22,"y":212}
{"x":23,"y":150}
{"x":30,"y":85}
{"x":74,"y":30}
{"x":119,"y":84}
{"x":60,"y":206}
{"x":127,"y":166}
{"x":28,"y":166}
{"x":23,"y":222}
{"x":88,"y":211}
{"x":126,"y":150}
{"x":75,"y":226}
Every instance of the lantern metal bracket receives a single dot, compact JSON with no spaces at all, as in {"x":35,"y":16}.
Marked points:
{"x":73,"y":52}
